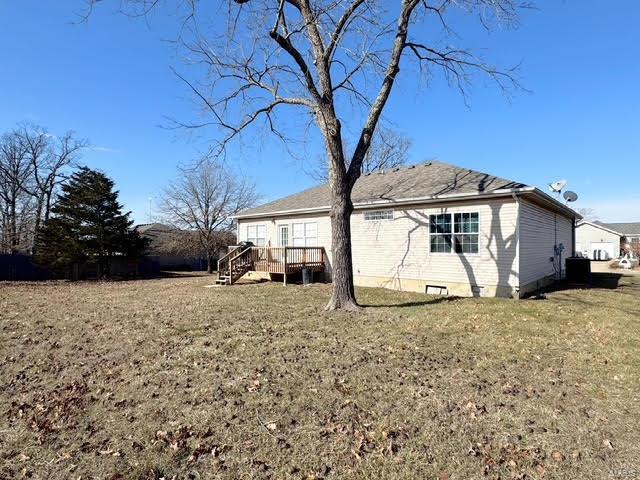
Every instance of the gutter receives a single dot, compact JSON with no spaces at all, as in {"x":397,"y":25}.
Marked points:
{"x":505,"y":192}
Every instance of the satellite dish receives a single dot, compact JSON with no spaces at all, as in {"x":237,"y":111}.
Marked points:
{"x":557,"y":186}
{"x":570,"y":196}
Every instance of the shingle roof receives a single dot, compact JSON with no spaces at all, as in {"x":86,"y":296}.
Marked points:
{"x":429,"y":179}
{"x":159,"y":227}
{"x":599,"y":225}
{"x":626,"y":228}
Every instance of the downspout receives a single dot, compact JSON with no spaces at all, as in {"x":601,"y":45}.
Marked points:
{"x":516,"y":198}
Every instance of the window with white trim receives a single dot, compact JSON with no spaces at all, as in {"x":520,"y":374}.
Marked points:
{"x":440,"y":233}
{"x":458,"y":232}
{"x":283,"y":235}
{"x":257,"y":234}
{"x":305,"y":234}
{"x":373,"y":215}
{"x":466,"y":232}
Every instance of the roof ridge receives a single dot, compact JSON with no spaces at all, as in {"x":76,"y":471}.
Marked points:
{"x":398,"y":183}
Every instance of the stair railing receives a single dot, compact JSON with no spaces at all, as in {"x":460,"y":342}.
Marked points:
{"x":224,"y":265}
{"x":240,"y":263}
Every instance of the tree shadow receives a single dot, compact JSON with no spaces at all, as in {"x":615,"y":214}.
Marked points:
{"x":415,"y":303}
{"x":501,"y":248}
{"x":183,"y":274}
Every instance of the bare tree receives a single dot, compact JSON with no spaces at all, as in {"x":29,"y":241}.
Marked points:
{"x":15,"y":204}
{"x":389,"y":149}
{"x":588,"y":213}
{"x":50,"y":159}
{"x":33,"y":165}
{"x":203,"y":199}
{"x":338,"y":61}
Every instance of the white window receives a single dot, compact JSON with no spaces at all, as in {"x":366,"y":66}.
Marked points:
{"x":373,"y":215}
{"x":257,"y":234}
{"x":440,"y":233}
{"x":466,"y":230}
{"x":305,"y":234}
{"x":311,"y":234}
{"x":458,"y":232}
{"x":283,"y":235}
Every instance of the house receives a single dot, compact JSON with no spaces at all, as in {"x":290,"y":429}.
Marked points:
{"x":174,"y":249}
{"x":171,"y":248}
{"x":596,"y":241}
{"x":431,"y":227}
{"x":630,"y":232}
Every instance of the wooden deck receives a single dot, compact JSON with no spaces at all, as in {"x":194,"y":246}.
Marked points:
{"x":287,"y":259}
{"x":277,"y":260}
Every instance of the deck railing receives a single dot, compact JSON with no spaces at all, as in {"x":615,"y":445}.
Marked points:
{"x":286,"y":259}
{"x":282,"y":260}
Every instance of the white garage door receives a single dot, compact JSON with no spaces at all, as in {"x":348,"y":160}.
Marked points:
{"x":602,"y":251}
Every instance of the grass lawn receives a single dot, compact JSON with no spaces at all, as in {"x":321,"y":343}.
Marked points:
{"x":165,"y":378}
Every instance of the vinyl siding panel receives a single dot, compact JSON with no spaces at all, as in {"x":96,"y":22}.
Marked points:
{"x":587,"y":234}
{"x":400,"y":248}
{"x":323,"y":222}
{"x":540,"y":231}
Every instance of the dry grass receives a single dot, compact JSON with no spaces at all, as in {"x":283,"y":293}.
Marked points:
{"x":165,"y":378}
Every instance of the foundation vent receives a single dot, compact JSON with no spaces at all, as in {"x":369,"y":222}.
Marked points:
{"x":436,"y":290}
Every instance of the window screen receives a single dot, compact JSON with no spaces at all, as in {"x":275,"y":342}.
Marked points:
{"x":458,"y":232}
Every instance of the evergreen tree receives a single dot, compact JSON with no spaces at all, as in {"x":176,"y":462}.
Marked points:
{"x":87,"y":225}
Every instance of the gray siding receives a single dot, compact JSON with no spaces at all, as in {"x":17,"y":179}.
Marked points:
{"x":400,"y":248}
{"x":541,"y":230}
{"x":516,"y":242}
{"x":586,"y":234}
{"x":396,"y":253}
{"x":323,"y":222}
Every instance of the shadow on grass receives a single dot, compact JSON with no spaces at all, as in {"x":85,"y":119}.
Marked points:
{"x":420,"y":303}
{"x":609,"y":281}
{"x":606,"y":281}
{"x":181,"y":274}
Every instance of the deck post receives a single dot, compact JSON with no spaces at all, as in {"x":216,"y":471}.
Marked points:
{"x":285,"y":266}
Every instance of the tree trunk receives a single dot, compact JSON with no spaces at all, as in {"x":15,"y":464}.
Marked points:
{"x":343,"y":296}
{"x":37,"y":222}
{"x":47,"y":204}
{"x":13,"y":225}
{"x":210,"y":263}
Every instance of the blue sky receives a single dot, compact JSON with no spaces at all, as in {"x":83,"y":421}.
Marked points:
{"x":110,"y":81}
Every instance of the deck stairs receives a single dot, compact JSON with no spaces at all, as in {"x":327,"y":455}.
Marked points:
{"x":272,"y":260}
{"x":234,"y":265}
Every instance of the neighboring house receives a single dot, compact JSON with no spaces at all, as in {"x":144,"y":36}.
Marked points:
{"x":171,"y":248}
{"x":596,"y":241}
{"x":630,"y":232}
{"x":431,"y":227}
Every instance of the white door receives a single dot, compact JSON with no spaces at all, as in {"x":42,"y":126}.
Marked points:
{"x":602,"y":251}
{"x":283,"y":235}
